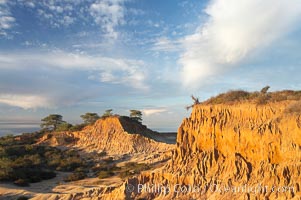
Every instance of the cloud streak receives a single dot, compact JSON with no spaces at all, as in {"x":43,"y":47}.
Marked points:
{"x":25,"y":101}
{"x":153,"y":111}
{"x":125,"y":72}
{"x":110,"y":69}
{"x":234,"y":30}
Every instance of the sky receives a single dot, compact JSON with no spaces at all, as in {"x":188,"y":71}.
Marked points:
{"x":76,"y":56}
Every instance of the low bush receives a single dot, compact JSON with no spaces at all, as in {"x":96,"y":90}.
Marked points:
{"x":77,"y":127}
{"x":136,"y":167}
{"x":259,"y":98}
{"x":132,"y":168}
{"x":294,"y":108}
{"x":24,"y":161}
{"x":105,"y":174}
{"x":125,"y":174}
{"x":229,"y":97}
{"x":75,"y":176}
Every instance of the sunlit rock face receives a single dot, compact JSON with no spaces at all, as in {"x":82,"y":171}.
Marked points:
{"x":115,"y":135}
{"x":239,"y":151}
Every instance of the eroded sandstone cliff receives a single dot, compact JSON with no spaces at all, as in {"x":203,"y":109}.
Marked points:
{"x":240,"y":151}
{"x":113,"y":135}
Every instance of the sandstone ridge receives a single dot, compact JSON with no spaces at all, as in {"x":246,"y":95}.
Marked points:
{"x":113,"y":135}
{"x":240,"y":147}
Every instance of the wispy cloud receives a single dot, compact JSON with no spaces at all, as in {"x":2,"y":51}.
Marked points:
{"x":126,"y":72}
{"x":108,"y":14}
{"x":25,"y":101}
{"x":6,"y":19}
{"x":164,"y":44}
{"x":112,"y":70}
{"x":153,"y":111}
{"x":233,"y":31}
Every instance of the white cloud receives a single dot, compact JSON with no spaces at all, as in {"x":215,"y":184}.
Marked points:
{"x":111,"y":70}
{"x":166,"y":45}
{"x":108,"y":14}
{"x":233,"y":31}
{"x":6,"y":20}
{"x":149,"y":112}
{"x":24,"y":101}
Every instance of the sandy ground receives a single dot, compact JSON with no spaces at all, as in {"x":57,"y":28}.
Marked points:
{"x":51,"y":189}
{"x":8,"y":190}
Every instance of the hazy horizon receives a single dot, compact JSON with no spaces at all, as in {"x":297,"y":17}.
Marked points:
{"x":72,"y":57}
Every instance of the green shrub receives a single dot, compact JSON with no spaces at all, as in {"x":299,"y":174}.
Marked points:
{"x":125,"y":174}
{"x":77,"y":127}
{"x":63,"y":127}
{"x":70,"y":164}
{"x":136,"y":167}
{"x":75,"y":176}
{"x":105,"y":174}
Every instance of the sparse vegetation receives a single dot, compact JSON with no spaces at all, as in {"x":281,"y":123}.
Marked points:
{"x":195,"y":102}
{"x":294,"y":109}
{"x":51,"y":122}
{"x":136,"y":115}
{"x":75,"y":176}
{"x":137,"y":167}
{"x":132,"y":168}
{"x":107,"y":113}
{"x":22,"y":162}
{"x":265,"y":89}
{"x":105,"y":174}
{"x":259,"y":98}
{"x":63,"y":127}
{"x":77,"y":127}
{"x":90,"y":118}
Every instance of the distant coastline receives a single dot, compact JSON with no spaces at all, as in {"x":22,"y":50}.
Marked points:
{"x":16,"y":128}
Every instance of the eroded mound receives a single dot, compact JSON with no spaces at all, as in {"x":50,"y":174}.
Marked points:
{"x":114,"y":135}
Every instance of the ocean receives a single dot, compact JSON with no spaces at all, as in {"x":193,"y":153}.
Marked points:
{"x":18,"y":128}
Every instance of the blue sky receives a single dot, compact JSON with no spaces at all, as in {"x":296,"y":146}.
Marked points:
{"x":72,"y":57}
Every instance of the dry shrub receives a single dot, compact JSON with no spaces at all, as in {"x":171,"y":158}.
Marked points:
{"x":262,"y":99}
{"x":258,"y":98}
{"x":229,"y":97}
{"x":294,"y":108}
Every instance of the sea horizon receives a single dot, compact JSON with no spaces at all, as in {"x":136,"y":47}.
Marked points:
{"x":18,"y":128}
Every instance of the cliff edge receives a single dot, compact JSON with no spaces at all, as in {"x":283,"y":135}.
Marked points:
{"x":231,"y":151}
